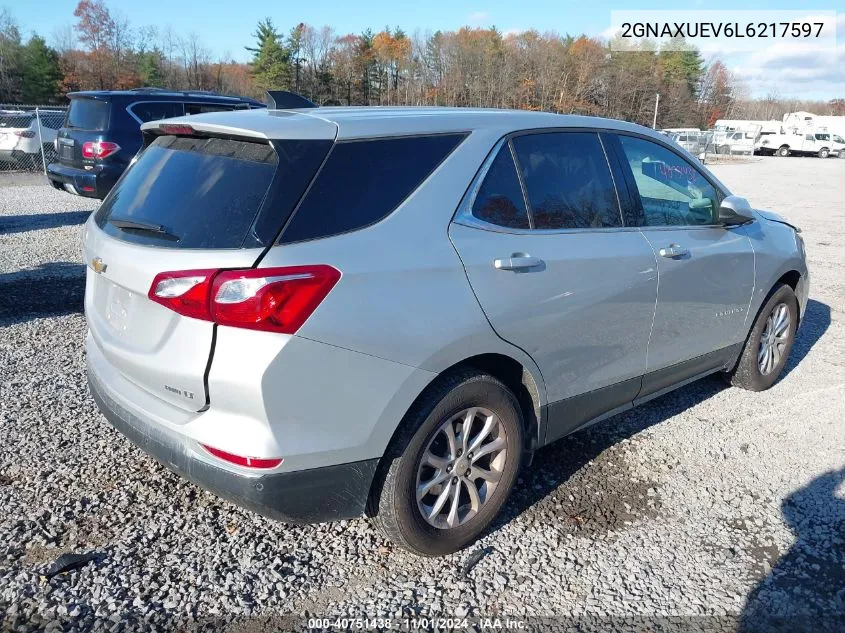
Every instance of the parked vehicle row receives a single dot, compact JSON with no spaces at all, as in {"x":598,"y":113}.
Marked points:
{"x":821,"y":144}
{"x":102,"y":132}
{"x":25,"y":134}
{"x":325,"y":312}
{"x":759,"y":140}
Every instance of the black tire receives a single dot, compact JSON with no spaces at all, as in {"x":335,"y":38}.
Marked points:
{"x":824,"y":152}
{"x":747,"y":373}
{"x":782,"y":151}
{"x":393,"y":500}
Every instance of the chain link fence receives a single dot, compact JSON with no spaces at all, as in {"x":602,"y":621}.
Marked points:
{"x":711,"y":145}
{"x":28,"y":136}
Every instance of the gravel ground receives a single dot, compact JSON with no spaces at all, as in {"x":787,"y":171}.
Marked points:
{"x":709,"y":501}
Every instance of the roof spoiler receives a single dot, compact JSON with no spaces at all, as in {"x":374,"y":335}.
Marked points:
{"x":284,"y":100}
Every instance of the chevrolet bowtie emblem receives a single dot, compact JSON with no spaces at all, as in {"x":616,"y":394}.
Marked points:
{"x":98,"y":265}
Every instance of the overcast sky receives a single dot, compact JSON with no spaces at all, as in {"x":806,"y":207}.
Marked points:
{"x":226,"y":27}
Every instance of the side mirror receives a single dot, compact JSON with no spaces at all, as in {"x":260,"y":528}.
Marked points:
{"x":734,"y":211}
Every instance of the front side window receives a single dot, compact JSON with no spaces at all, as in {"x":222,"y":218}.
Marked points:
{"x":499,"y":200}
{"x":672,"y":191}
{"x":567,"y":180}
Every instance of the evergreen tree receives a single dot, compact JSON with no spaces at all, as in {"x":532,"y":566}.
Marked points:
{"x":41,"y":73}
{"x":150,"y":68}
{"x":271,"y":58}
{"x":11,"y":53}
{"x":294,"y":49}
{"x":682,"y":63}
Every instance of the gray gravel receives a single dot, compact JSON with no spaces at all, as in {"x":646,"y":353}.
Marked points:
{"x":708,"y":501}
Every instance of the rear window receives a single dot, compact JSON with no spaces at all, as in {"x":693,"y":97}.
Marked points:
{"x":88,"y":114}
{"x":362,"y":182}
{"x":203,"y":193}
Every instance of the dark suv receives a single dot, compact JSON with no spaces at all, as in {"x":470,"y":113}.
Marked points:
{"x":102,"y":132}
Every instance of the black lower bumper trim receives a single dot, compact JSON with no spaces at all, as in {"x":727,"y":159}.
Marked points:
{"x":306,"y":496}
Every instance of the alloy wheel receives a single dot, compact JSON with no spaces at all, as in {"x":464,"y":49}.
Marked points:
{"x":461,"y":467}
{"x":774,"y":339}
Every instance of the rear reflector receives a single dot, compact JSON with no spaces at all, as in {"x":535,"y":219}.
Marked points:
{"x":248,"y":462}
{"x":25,"y":134}
{"x":268,"y":299}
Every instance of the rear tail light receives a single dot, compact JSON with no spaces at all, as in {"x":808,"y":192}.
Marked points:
{"x":249,"y":462}
{"x":185,"y":292}
{"x":99,"y":149}
{"x":25,"y":134}
{"x":268,"y":299}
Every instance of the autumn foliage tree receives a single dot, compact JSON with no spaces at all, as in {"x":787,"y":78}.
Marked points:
{"x":481,"y":67}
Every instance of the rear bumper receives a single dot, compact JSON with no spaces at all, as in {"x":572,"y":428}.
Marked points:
{"x":304,"y":496}
{"x":94,"y":183}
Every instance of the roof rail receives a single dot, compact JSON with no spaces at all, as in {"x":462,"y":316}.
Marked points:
{"x":284,"y":100}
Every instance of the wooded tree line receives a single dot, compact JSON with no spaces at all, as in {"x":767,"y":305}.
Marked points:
{"x":468,"y":67}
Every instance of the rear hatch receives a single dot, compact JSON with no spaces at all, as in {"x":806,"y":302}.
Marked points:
{"x":187,"y":203}
{"x":87,"y":119}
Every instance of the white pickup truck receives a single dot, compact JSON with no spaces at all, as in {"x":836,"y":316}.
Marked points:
{"x":821,"y":144}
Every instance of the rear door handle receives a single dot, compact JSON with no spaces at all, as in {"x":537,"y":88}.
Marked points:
{"x":517,"y":261}
{"x":673,"y":251}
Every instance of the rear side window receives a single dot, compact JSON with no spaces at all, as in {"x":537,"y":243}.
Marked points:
{"x":155,"y":111}
{"x":88,"y":114}
{"x":201,"y":193}
{"x":362,"y":182}
{"x":199,"y":108}
{"x":499,"y":200}
{"x":568,"y":181}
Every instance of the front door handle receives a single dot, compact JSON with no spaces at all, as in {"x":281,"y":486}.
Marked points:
{"x":517,"y":261}
{"x":673,"y":251}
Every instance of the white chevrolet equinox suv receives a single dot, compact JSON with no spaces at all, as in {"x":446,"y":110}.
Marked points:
{"x":319,"y":313}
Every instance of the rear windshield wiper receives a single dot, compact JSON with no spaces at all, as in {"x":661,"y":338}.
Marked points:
{"x":147,"y":227}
